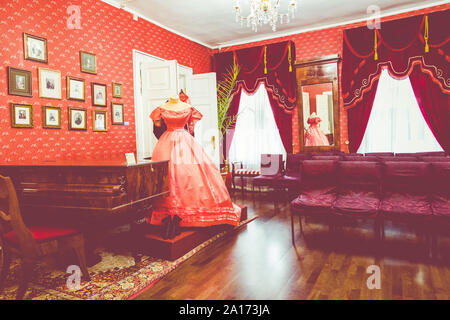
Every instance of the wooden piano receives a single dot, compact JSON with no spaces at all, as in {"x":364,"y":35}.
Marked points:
{"x":93,"y":196}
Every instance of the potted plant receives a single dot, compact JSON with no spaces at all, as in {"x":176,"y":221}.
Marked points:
{"x":224,"y":90}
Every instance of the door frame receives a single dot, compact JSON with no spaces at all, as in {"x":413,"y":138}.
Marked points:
{"x":138,"y":58}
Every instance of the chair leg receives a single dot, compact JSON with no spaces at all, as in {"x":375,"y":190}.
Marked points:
{"x":300,"y":225}
{"x":26,"y":271}
{"x":79,"y":250}
{"x":292,"y":229}
{"x":4,"y":268}
{"x":242,"y":186}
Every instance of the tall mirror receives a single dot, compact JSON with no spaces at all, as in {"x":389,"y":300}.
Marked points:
{"x":318,"y":104}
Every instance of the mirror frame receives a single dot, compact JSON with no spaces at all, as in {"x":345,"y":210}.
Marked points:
{"x":317,"y":71}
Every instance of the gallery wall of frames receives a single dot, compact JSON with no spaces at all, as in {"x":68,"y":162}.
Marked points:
{"x":325,"y":42}
{"x":66,"y":78}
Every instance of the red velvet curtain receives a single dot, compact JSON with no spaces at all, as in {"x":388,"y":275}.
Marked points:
{"x":398,"y":45}
{"x":434,"y":105}
{"x":272,"y":64}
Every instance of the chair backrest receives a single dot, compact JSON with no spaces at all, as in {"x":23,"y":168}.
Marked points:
{"x":294,"y":162}
{"x":236,"y":165}
{"x":319,"y":174}
{"x":271,"y":164}
{"x":402,"y":158}
{"x":380,"y":154}
{"x":332,"y":157}
{"x":441,"y":177}
{"x":406,"y":177}
{"x":359,"y":175}
{"x":435,"y":159}
{"x":432,"y":154}
{"x":11,"y":218}
{"x":406,"y":154}
{"x":359,"y":158}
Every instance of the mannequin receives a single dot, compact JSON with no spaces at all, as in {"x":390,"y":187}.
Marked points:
{"x":173,"y":103}
{"x":198,"y":196}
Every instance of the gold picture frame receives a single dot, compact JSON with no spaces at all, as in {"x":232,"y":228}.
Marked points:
{"x":35,"y":48}
{"x":20,"y":82}
{"x":77,"y":119}
{"x":74,"y":85}
{"x":50,"y":84}
{"x":99,"y":94}
{"x":21,"y":115}
{"x":99,"y":121}
{"x":88,"y":62}
{"x":117,"y":116}
{"x":50,"y":120}
{"x":117,"y":90}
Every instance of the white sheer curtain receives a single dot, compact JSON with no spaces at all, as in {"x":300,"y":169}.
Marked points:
{"x":396,"y":123}
{"x":256,"y":132}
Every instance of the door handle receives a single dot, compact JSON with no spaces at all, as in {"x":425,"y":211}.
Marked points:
{"x":213,"y":141}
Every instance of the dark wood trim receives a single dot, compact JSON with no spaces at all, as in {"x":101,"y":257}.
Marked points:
{"x":318,"y":60}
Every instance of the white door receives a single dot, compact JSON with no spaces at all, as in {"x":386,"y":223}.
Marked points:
{"x":159,"y":83}
{"x":204,"y":98}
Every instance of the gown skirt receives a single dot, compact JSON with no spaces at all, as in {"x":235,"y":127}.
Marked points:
{"x":198,"y":194}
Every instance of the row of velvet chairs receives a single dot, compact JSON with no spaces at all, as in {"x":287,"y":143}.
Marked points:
{"x":413,"y":192}
{"x":275,"y":175}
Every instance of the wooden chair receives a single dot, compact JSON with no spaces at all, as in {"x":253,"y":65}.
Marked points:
{"x":33,"y":243}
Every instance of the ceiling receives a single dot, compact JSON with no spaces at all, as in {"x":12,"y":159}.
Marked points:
{"x":212,"y":22}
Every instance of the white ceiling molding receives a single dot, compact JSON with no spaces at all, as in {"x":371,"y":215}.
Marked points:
{"x":123,"y":6}
{"x":208,"y":38}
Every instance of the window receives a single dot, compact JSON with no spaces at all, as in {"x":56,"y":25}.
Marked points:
{"x":256,"y":132}
{"x":396,"y":123}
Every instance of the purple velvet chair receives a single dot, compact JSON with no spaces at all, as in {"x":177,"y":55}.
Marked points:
{"x":440,"y":200}
{"x":331,"y":157}
{"x":271,"y":169}
{"x":292,"y":176}
{"x":359,"y":158}
{"x":318,"y":191}
{"x":359,"y":192}
{"x":406,"y":195}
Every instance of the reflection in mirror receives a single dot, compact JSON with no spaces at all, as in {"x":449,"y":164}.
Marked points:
{"x":318,"y":114}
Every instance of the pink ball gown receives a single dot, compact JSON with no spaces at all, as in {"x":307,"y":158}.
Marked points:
{"x":198,"y":194}
{"x":314,"y":136}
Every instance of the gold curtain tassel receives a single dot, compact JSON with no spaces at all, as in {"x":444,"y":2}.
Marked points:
{"x":290,"y":58}
{"x":426,"y":35}
{"x":375,"y":46}
{"x":265,"y":59}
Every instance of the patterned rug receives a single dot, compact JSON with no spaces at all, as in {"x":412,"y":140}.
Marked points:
{"x":116,"y":277}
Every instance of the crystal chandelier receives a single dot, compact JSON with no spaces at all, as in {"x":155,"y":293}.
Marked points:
{"x":265,"y":12}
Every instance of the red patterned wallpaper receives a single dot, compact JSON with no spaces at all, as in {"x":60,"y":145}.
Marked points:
{"x":110,"y":33}
{"x":325,"y":42}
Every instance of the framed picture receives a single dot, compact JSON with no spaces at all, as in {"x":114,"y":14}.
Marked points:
{"x":99,"y":120}
{"x":51,"y":117}
{"x":76,"y":89}
{"x":21,"y":115}
{"x":98,"y":94}
{"x":35,"y":48}
{"x":19,"y":82}
{"x":116,"y":113}
{"x":77,"y":119}
{"x":88,"y":62}
{"x":117,"y":90}
{"x":49,"y":83}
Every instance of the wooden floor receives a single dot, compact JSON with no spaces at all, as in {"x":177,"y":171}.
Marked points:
{"x":259,"y":262}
